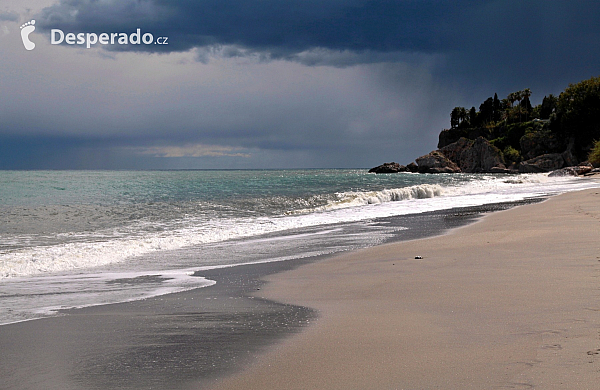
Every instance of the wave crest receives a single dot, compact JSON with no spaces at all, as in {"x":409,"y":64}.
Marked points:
{"x":349,"y":199}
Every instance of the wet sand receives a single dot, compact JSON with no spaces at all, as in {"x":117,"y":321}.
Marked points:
{"x":510,"y":302}
{"x":176,"y":341}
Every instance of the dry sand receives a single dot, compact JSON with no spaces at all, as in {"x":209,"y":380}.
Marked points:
{"x":510,"y":302}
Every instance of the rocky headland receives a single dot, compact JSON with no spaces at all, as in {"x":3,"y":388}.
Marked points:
{"x":561,"y":135}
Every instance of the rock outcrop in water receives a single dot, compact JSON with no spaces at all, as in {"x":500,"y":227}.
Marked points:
{"x":392,"y":167}
{"x":573,"y":171}
{"x":412,"y":167}
{"x":436,"y":162}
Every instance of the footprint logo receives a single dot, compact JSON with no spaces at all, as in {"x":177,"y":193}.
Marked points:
{"x":27,"y":29}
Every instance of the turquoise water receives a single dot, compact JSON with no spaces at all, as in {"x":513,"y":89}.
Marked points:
{"x":35,"y":204}
{"x":66,"y":233}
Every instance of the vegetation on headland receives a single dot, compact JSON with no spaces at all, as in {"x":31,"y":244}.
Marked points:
{"x":511,"y":135}
{"x":594,"y":156}
{"x":569,"y":122}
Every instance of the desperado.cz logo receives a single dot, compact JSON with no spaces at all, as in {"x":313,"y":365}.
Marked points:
{"x":58,"y":36}
{"x":27,"y":29}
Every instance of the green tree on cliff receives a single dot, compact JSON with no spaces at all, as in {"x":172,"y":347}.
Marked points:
{"x":578,"y":114}
{"x":497,"y":107}
{"x":594,"y":156}
{"x":458,"y":116}
{"x":525,"y":103}
{"x":486,"y":111}
{"x":574,"y":123}
{"x":548,"y":106}
{"x":473,"y":116}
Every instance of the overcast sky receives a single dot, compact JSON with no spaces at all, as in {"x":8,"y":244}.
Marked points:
{"x":271,"y":83}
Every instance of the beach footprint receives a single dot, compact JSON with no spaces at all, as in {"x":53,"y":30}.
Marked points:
{"x":27,"y":29}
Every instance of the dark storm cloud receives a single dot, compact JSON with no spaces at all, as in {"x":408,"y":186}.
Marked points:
{"x":543,"y":45}
{"x":489,"y":41}
{"x":278,"y":27}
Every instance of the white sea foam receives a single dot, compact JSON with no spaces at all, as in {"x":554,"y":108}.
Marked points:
{"x":32,"y":298}
{"x":348,"y":207}
{"x":424,"y":191}
{"x":36,"y":297}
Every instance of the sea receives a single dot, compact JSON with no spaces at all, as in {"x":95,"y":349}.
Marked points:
{"x":71,"y":239}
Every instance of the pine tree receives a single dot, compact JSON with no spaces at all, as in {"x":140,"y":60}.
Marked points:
{"x":496,"y":108}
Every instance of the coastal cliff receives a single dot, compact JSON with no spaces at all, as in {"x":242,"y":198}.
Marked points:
{"x":506,"y":137}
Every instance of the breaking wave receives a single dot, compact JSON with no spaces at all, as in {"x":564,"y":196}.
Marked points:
{"x":423,"y":191}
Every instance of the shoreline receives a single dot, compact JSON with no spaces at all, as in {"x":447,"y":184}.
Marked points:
{"x":410,"y":227}
{"x":164,"y":342}
{"x":507,"y":302}
{"x":179,"y":340}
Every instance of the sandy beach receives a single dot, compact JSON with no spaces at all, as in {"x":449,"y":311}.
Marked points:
{"x":509,"y":302}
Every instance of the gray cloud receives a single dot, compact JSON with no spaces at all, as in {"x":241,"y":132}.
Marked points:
{"x":276,"y":83}
{"x":9,"y":16}
{"x":168,"y":111}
